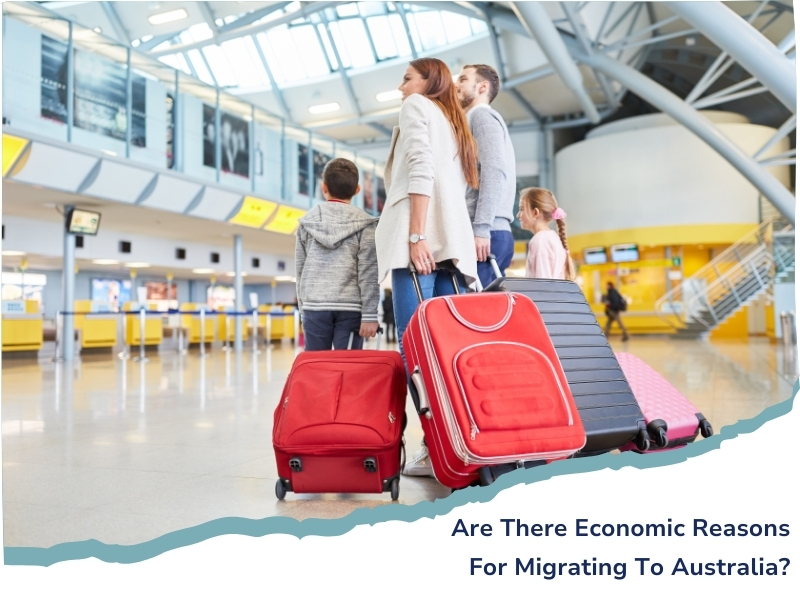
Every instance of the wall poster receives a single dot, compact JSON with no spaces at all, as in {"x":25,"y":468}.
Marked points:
{"x":235,"y":142}
{"x":100,"y":99}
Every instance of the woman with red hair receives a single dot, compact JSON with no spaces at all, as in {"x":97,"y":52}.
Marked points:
{"x":425,"y":221}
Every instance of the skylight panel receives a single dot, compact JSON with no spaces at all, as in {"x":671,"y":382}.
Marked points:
{"x":456,"y":27}
{"x":326,"y":42}
{"x":347,"y":10}
{"x":258,"y":64}
{"x":272,"y":60}
{"x":369,"y":9}
{"x":309,"y":49}
{"x":431,"y":31}
{"x":478,"y":26}
{"x":242,"y":64}
{"x":413,"y":30}
{"x":381,"y":33}
{"x":176,"y":61}
{"x":399,"y":34}
{"x":199,"y":66}
{"x":220,"y":66}
{"x":200,"y":32}
{"x":340,"y":45}
{"x":285,"y":51}
{"x":355,"y":36}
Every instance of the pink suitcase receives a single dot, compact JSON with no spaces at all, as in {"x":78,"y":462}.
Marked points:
{"x":672,"y":421}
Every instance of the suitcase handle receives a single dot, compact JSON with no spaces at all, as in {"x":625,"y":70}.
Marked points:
{"x":442,"y":266}
{"x":354,"y":333}
{"x":482,"y":328}
{"x":419,"y":384}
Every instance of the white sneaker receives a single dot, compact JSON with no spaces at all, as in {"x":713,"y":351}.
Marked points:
{"x":420,"y":465}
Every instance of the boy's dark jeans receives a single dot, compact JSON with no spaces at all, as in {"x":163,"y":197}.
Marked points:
{"x":326,"y":328}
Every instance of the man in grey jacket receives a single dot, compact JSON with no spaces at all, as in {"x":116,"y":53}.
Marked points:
{"x":491,"y":206}
{"x":337,"y":265}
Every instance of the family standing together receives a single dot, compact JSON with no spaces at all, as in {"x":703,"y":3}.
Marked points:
{"x":451,"y":186}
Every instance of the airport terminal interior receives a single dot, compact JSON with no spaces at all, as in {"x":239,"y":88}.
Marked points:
{"x":157,"y":157}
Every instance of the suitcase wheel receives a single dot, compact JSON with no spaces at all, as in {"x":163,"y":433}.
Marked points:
{"x":642,"y":440}
{"x":280,"y":489}
{"x":395,"y":489}
{"x":485,"y":476}
{"x":705,"y":428}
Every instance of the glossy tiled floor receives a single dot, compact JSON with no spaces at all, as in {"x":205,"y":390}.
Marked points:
{"x":124,"y":452}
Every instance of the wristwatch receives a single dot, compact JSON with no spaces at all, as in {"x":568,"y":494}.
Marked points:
{"x":415,"y":237}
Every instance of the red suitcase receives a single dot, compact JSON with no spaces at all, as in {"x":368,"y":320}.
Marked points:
{"x":338,"y":425}
{"x":672,"y":421}
{"x":488,"y":386}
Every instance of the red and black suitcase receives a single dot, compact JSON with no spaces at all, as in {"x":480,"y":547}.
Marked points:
{"x":607,"y":406}
{"x":488,"y":386}
{"x":672,"y":421}
{"x":339,"y":424}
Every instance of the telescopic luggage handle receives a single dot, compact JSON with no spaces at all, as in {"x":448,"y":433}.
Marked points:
{"x":355,"y":332}
{"x":442,"y":266}
{"x":495,"y":267}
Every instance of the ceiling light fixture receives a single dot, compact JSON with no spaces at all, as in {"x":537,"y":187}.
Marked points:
{"x":137,"y":265}
{"x":324,"y":108}
{"x":105,"y":261}
{"x":387,"y":96}
{"x":203,"y":271}
{"x":13,"y":253}
{"x":233,"y":274}
{"x":109,"y":152}
{"x":168,"y":17}
{"x":97,"y":30}
{"x":284,"y":278}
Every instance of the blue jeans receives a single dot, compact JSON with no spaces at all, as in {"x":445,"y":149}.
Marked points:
{"x":502,"y":246}
{"x":404,"y":297}
{"x":326,"y":328}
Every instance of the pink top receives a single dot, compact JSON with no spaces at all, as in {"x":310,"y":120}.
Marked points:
{"x":546,"y":256}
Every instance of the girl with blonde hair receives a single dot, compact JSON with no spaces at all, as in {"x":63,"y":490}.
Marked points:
{"x":548,"y":251}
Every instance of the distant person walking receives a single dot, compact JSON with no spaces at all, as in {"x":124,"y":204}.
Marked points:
{"x":491,"y":204}
{"x":615,"y":304}
{"x":388,"y":317}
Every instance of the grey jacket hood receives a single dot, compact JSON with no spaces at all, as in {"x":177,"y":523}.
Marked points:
{"x":330,"y":223}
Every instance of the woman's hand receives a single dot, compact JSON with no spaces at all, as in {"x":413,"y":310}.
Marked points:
{"x":422,"y":258}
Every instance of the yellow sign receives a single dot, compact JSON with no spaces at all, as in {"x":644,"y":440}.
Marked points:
{"x":254,"y":212}
{"x":13,"y":147}
{"x":23,"y":264}
{"x":285,"y":220}
{"x":169,"y":276}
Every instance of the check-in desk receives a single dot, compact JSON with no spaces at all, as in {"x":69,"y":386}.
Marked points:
{"x":153,"y":327}
{"x":191,"y":324}
{"x":23,"y":326}
{"x":95,"y":330}
{"x":282,"y":322}
{"x":223,"y":320}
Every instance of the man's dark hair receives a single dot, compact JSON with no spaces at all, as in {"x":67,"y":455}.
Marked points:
{"x":487,"y":73}
{"x":341,"y":178}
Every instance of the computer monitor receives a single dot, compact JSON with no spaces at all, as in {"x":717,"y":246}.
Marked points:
{"x":621,"y":253}
{"x":83,"y":222}
{"x":595,"y":256}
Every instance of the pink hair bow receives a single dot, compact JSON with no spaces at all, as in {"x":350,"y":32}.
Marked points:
{"x":559,"y":213}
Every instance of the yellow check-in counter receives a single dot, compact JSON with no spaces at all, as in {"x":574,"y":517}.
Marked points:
{"x":191,"y":324}
{"x":23,"y":326}
{"x":153,"y":327}
{"x":229,"y":336}
{"x":98,"y":330}
{"x":282,"y":322}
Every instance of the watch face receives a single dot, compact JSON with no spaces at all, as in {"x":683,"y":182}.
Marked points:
{"x":414,"y":238}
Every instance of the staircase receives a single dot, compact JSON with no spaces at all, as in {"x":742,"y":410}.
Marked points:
{"x":732,"y":280}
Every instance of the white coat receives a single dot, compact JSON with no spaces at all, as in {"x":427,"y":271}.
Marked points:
{"x":423,"y":159}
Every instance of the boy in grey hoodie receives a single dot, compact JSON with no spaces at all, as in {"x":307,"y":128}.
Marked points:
{"x":337,"y":265}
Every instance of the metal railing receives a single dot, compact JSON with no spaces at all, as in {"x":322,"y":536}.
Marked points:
{"x":731,"y":280}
